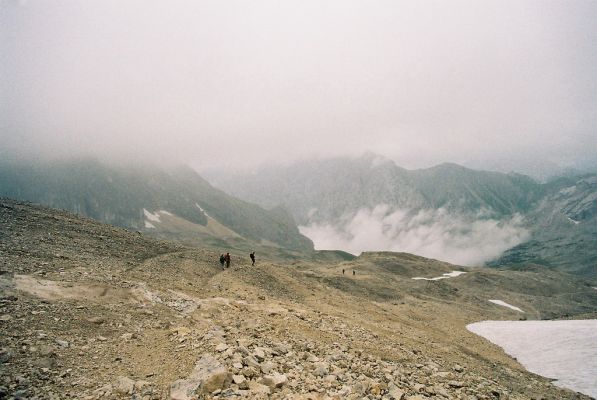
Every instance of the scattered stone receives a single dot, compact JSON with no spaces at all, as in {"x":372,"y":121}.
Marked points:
{"x":96,"y":320}
{"x":208,"y":376}
{"x":249,"y":372}
{"x":395,"y":392}
{"x":5,"y":354}
{"x":124,"y":385}
{"x":258,"y":388}
{"x":221,"y":347}
{"x":259,"y":354}
{"x":275,"y":380}
{"x":250,"y":361}
{"x":267,"y":367}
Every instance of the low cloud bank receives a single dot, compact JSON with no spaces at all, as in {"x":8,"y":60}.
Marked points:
{"x":456,"y":238}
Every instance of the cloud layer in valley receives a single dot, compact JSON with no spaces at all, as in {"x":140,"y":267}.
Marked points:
{"x":459,"y":239}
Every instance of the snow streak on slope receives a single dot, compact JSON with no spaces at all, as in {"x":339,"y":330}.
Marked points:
{"x":447,"y":275}
{"x":504,"y":304}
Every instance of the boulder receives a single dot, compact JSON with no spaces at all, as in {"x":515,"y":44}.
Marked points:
{"x":395,"y":392}
{"x":124,"y":385}
{"x":207,"y":376}
{"x":258,"y":388}
{"x":267,"y":367}
{"x":274,"y":380}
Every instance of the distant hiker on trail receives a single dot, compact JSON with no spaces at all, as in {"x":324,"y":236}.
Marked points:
{"x":252,"y":255}
{"x":222,"y":260}
{"x":353,"y":272}
{"x":227,"y":259}
{"x":342,"y":271}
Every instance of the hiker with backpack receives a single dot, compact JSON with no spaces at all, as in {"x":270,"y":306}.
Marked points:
{"x":252,"y":256}
{"x":222,"y":260}
{"x":227,"y":259}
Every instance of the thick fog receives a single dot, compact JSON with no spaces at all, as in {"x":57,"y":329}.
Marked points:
{"x":459,"y":239}
{"x":238,"y":83}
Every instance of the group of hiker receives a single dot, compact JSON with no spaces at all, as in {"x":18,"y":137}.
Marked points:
{"x":225,"y":259}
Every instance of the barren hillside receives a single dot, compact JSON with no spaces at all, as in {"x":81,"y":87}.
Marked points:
{"x":92,"y":311}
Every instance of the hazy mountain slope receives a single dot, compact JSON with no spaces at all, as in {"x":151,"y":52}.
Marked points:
{"x":344,"y":185}
{"x":324,"y":190}
{"x":458,"y":188}
{"x":443,"y":211}
{"x":565,"y":234}
{"x":89,"y":310}
{"x":128,"y":196}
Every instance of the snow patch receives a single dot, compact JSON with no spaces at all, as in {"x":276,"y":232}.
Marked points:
{"x":564,"y":350}
{"x":503,"y":303}
{"x":152,"y":217}
{"x":574,"y":221}
{"x":165,"y":212}
{"x":447,"y":275}
{"x":201,"y":209}
{"x":149,"y":225}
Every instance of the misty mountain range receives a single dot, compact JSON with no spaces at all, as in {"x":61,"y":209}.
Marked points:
{"x":447,"y":212}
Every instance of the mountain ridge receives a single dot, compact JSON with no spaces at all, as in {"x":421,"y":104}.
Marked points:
{"x":125,"y":196}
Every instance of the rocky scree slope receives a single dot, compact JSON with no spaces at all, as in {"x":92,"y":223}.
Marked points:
{"x":92,"y":311}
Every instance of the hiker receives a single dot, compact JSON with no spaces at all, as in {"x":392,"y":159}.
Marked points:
{"x":252,"y":255}
{"x":353,"y":273}
{"x":227,"y":259}
{"x":342,"y":271}
{"x":222,"y":260}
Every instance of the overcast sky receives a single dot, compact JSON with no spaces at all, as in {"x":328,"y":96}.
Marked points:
{"x":481,"y":83}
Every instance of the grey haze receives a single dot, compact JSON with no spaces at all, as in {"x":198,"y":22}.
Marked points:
{"x":506,"y":85}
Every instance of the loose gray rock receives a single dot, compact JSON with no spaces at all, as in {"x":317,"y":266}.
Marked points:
{"x":5,"y":354}
{"x":208,"y":376}
{"x":395,"y":392}
{"x":258,"y":388}
{"x":275,"y":380}
{"x":124,"y":385}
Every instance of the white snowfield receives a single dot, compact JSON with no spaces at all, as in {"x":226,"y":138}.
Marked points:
{"x":503,"y":303}
{"x":564,"y":350}
{"x":447,"y":275}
